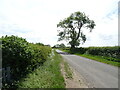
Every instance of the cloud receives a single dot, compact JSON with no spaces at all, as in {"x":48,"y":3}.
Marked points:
{"x":106,"y":37}
{"x":36,"y":20}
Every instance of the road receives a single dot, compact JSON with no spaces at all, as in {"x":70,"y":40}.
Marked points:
{"x":96,"y":74}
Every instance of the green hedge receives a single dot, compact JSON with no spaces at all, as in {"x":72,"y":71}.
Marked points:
{"x":21,"y":55}
{"x":105,"y":51}
{"x":39,"y":54}
{"x":109,"y":53}
{"x":80,"y":50}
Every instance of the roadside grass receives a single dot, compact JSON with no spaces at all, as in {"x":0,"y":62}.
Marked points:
{"x":66,"y":65}
{"x":68,"y":71}
{"x":100,"y":59}
{"x":97,"y":58}
{"x":46,"y":76}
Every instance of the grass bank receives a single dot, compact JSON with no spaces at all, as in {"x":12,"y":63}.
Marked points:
{"x":46,"y":76}
{"x":102,"y":59}
{"x":67,"y":70}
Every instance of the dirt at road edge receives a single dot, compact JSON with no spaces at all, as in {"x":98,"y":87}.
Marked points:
{"x":76,"y":81}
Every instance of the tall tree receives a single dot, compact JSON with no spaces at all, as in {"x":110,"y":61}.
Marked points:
{"x":71,"y":28}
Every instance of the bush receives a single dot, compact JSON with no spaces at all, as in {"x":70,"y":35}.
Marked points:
{"x":39,"y":54}
{"x":105,"y":51}
{"x":22,"y":56}
{"x":109,"y":53}
{"x":80,"y":50}
{"x":16,"y":53}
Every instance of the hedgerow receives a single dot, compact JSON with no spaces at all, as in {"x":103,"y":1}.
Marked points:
{"x":112,"y":52}
{"x":109,"y":53}
{"x":22,"y":56}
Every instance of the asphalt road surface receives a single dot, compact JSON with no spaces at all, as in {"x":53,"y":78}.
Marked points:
{"x":96,"y":74}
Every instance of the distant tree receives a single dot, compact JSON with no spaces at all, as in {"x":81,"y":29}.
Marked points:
{"x":59,"y":46}
{"x":72,"y":28}
{"x":56,"y":46}
{"x":62,"y":45}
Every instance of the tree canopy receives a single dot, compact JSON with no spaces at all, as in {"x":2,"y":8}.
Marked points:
{"x":59,"y":46}
{"x":71,"y":28}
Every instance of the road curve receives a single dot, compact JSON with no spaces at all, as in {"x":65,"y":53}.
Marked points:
{"x":96,"y":74}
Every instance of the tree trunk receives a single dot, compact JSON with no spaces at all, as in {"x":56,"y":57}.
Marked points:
{"x":79,"y":30}
{"x":72,"y":48}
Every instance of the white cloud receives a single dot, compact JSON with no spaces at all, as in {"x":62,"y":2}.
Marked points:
{"x":36,"y":20}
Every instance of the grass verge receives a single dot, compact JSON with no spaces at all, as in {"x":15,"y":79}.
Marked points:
{"x":46,"y":76}
{"x":97,"y":58}
{"x":68,"y":71}
{"x":100,"y":59}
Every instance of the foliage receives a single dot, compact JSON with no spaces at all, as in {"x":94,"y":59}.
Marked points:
{"x":109,"y":53}
{"x":70,"y":26}
{"x":59,"y":46}
{"x":39,"y":54}
{"x":46,"y":76}
{"x":62,"y":45}
{"x":79,"y":50}
{"x":15,"y":52}
{"x":104,"y":51}
{"x":21,"y":55}
{"x":41,"y":44}
{"x":100,"y":59}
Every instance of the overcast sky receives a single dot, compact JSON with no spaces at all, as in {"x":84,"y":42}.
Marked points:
{"x":36,"y":20}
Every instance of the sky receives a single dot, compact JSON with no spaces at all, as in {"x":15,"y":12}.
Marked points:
{"x":36,"y":20}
